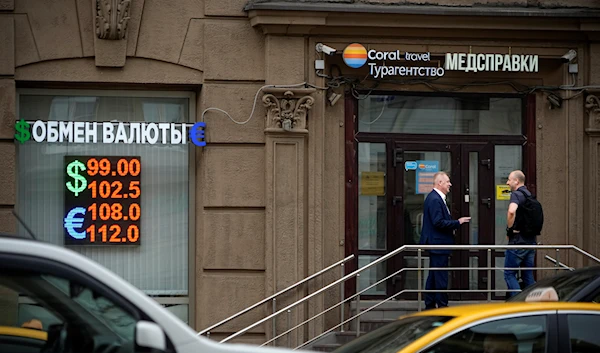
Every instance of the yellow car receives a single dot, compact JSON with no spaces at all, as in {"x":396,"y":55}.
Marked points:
{"x":521,"y":327}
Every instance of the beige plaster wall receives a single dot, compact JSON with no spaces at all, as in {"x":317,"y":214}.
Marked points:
{"x":7,"y":118}
{"x":591,"y":205}
{"x":172,"y":45}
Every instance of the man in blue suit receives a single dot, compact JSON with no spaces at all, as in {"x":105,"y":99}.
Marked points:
{"x":438,"y":229}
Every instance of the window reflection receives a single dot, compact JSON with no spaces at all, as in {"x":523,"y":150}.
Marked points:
{"x":583,"y":333}
{"x":372,"y":208}
{"x":477,"y":115}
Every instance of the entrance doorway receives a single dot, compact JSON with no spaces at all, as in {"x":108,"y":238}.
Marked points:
{"x":390,"y":177}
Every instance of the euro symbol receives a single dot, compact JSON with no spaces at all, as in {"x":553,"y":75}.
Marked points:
{"x":72,"y":222}
{"x":197,"y":134}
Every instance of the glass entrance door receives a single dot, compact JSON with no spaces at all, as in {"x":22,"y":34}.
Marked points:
{"x":470,"y":171}
{"x":394,"y":144}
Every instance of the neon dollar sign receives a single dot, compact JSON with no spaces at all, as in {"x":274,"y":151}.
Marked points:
{"x":80,"y":182}
{"x":197,"y":134}
{"x":72,"y":222}
{"x":22,"y":128}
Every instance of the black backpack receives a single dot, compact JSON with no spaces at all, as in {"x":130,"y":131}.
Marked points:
{"x":529,"y":219}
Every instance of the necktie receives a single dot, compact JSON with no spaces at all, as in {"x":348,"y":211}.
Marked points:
{"x":445,"y":203}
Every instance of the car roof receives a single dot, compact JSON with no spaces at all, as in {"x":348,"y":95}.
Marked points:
{"x":23,"y":332}
{"x":467,"y":315}
{"x":476,"y":311}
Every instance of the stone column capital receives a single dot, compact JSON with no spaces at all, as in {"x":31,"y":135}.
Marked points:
{"x":287,"y":109}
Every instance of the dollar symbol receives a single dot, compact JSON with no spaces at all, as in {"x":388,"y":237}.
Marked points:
{"x":23,"y":133}
{"x":80,"y":182}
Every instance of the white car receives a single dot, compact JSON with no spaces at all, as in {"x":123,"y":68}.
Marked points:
{"x":92,"y":309}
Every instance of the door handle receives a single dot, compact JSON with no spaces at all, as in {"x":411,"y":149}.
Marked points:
{"x":487,"y":201}
{"x":396,"y":200}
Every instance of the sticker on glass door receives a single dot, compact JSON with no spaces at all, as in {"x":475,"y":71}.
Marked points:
{"x":424,"y":175}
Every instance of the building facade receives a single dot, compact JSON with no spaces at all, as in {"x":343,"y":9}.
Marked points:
{"x":322,"y":123}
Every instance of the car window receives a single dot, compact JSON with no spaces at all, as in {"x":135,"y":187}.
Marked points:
{"x":565,"y":285}
{"x":583,"y":333}
{"x":72,"y":317}
{"x":392,"y":337}
{"x":525,"y":334}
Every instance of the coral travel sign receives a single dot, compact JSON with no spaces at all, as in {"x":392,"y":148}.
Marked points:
{"x":383,"y":63}
{"x":356,"y":55}
{"x":110,"y":132}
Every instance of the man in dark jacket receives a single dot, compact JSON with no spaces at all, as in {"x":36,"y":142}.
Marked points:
{"x":515,"y":258}
{"x":438,"y":229}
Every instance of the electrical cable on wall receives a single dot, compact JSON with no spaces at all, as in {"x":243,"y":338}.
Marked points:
{"x":304,"y":84}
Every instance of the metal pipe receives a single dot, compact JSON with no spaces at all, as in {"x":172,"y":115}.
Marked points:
{"x":358,"y":305}
{"x":316,"y":274}
{"x":342,"y":301}
{"x":563,"y":265}
{"x":419,"y":279}
{"x":288,"y":325}
{"x":557,"y":257}
{"x":585,"y":253}
{"x":274,"y":318}
{"x":489,"y":274}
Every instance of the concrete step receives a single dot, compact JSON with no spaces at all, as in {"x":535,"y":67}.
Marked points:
{"x":370,"y":325}
{"x":340,"y":338}
{"x":326,"y":347}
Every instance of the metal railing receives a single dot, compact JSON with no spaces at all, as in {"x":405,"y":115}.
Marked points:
{"x":553,"y":260}
{"x":406,"y":248}
{"x":273,"y":298}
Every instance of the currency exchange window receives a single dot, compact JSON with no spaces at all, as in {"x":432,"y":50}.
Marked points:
{"x":106,"y":174}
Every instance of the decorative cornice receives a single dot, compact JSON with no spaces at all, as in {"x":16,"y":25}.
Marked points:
{"x":400,"y":7}
{"x":592,"y":108}
{"x":287,"y":109}
{"x":111,"y":18}
{"x":295,"y":17}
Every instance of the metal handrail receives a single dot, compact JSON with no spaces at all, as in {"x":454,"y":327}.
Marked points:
{"x":551,"y":259}
{"x":316,"y":274}
{"x":418,"y":248}
{"x":408,"y":291}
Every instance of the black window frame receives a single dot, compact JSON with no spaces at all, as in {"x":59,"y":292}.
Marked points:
{"x":564,"y":339}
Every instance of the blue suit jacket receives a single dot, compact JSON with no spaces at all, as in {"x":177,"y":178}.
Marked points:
{"x":438,"y":225}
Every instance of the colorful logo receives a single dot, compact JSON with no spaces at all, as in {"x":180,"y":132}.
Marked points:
{"x":355,"y":55}
{"x":410,"y":165}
